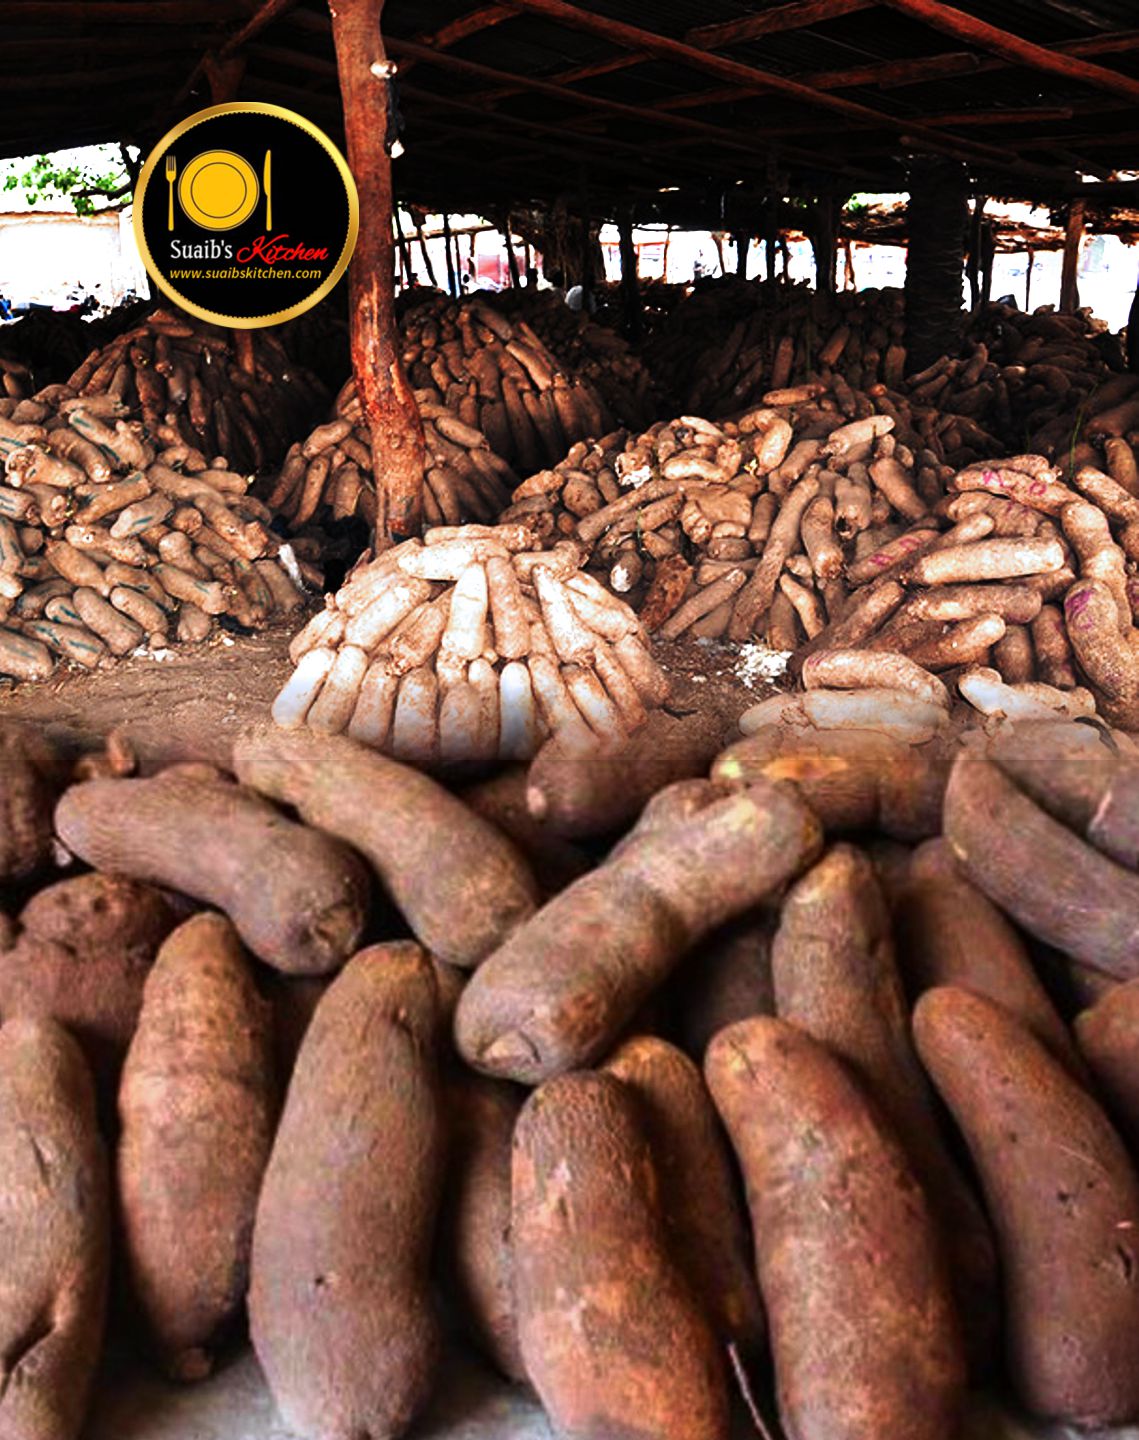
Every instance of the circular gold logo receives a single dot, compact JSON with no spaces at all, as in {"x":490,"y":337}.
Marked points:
{"x":246,"y":214}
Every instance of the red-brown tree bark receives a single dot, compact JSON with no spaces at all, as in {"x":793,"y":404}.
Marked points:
{"x":385,"y":394}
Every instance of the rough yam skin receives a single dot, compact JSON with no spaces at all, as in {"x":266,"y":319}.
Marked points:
{"x":707,"y":1230}
{"x":612,"y":1337}
{"x":31,"y":777}
{"x":339,"y":1303}
{"x":727,"y":978}
{"x":54,"y":1233}
{"x":1064,"y":1200}
{"x":835,"y":977}
{"x":501,"y":802}
{"x":206,"y":838}
{"x":578,"y":791}
{"x":81,"y":956}
{"x":478,"y":1255}
{"x":197,"y":1108}
{"x":864,"y":1332}
{"x":459,"y":882}
{"x":854,"y":780}
{"x":948,"y":932}
{"x":1108,"y":1037}
{"x":562,"y":988}
{"x":1052,"y":884}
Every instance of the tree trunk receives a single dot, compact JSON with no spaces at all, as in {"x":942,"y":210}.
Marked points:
{"x":937,"y":224}
{"x":392,"y":416}
{"x":1069,"y":275}
{"x":824,"y":242}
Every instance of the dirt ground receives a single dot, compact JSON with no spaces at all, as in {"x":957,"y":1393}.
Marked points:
{"x":190,"y":703}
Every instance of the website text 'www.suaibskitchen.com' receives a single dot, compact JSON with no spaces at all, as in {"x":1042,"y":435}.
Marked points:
{"x":247,"y":272}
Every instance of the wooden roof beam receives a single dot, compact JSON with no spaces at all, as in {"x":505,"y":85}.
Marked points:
{"x":698,"y":128}
{"x":459,"y":29}
{"x":795,"y":16}
{"x":664,"y":47}
{"x":1013,"y":48}
{"x":121,"y":12}
{"x":896,"y":74}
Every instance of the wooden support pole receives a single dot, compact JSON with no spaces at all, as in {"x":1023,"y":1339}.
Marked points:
{"x":406,"y":272}
{"x":1133,"y":333}
{"x":1069,"y":273}
{"x":988,"y":260}
{"x":1028,"y":281}
{"x":630,"y":289}
{"x":934,"y":264}
{"x":973,"y":267}
{"x":392,"y":416}
{"x":664,"y":258}
{"x":451,"y":287}
{"x":824,"y":240}
{"x":423,"y":250}
{"x":511,"y":258}
{"x":742,"y":241}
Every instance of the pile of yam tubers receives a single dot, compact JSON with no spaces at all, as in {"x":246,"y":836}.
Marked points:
{"x":498,"y":377}
{"x":892,"y":989}
{"x":114,"y":536}
{"x":591,"y":351}
{"x":815,"y":531}
{"x":329,"y":476}
{"x":468,"y":648}
{"x":222,"y":392}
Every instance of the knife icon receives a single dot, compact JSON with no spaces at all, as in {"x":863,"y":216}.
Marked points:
{"x":267,"y":181}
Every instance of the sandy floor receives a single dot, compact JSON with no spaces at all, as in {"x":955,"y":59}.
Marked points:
{"x":191,"y":703}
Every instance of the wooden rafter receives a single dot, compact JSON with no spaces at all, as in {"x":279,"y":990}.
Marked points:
{"x":121,"y":12}
{"x":796,"y":16}
{"x":471,"y":23}
{"x":1015,"y":49}
{"x":896,"y":74}
{"x":664,"y":47}
{"x":730,"y":139}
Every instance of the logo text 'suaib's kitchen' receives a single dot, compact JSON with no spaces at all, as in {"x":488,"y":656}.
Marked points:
{"x":246,"y":193}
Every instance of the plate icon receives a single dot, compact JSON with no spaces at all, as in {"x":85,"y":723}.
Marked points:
{"x":218,"y":190}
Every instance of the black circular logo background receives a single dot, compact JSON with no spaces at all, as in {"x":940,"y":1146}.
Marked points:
{"x":249,"y":273}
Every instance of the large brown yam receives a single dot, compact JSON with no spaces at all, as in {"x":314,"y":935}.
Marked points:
{"x":1064,"y":1201}
{"x":1055,"y":886}
{"x":477,"y":1244}
{"x":698,"y":1190}
{"x":562,"y":988}
{"x":501,"y":802}
{"x":339,"y":1302}
{"x":31,"y":777}
{"x":863,"y":1328}
{"x":1080,"y":779}
{"x":81,"y":957}
{"x":948,"y":932}
{"x":207,"y":837}
{"x":612,"y":1337}
{"x":54,"y":1233}
{"x":197,"y":1107}
{"x":581,"y":790}
{"x":852,"y":779}
{"x":835,"y":977}
{"x":725,"y":979}
{"x":461,"y":885}
{"x":1108,"y":1037}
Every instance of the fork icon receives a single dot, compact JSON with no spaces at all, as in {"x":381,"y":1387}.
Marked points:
{"x":171,"y":176}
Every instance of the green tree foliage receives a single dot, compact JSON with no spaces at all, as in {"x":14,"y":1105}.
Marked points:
{"x":100,"y":182}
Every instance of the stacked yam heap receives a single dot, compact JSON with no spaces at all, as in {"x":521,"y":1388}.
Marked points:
{"x":567,"y":1080}
{"x":469,"y":648}
{"x":826,"y":520}
{"x":116,"y":529}
{"x":493,"y":400}
{"x":593,"y":352}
